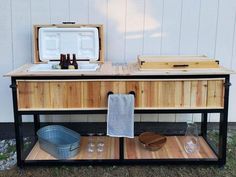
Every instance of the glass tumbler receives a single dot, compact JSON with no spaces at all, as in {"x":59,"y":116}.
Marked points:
{"x":91,"y":144}
{"x":191,"y":140}
{"x":100,"y":142}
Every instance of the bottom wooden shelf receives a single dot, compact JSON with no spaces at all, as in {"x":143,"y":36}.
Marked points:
{"x":173,"y":149}
{"x":111,"y":151}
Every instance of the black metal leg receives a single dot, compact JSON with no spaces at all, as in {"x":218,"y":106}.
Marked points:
{"x":19,"y":140}
{"x":204,"y":125}
{"x":36,"y":123}
{"x":222,"y":139}
{"x":224,"y":125}
{"x":18,"y":125}
{"x":121,"y":148}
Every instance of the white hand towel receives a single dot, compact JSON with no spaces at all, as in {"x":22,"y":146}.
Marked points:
{"x":120,"y":116}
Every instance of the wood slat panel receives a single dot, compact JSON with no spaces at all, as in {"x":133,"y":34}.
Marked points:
{"x":143,"y":93}
{"x":108,"y":86}
{"x":186,"y":93}
{"x":111,"y":151}
{"x":22,"y":95}
{"x":41,"y":94}
{"x":91,"y":94}
{"x":215,"y":93}
{"x":134,"y":86}
{"x":121,"y":87}
{"x":74,"y":94}
{"x":198,"y":93}
{"x":145,"y":96}
{"x":59,"y":95}
{"x":34,"y":94}
{"x":180,"y":94}
{"x":173,"y":149}
{"x":105,"y":88}
{"x":166,"y":94}
{"x":155,"y":89}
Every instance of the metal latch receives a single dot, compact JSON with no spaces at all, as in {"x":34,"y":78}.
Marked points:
{"x":227,"y":84}
{"x":13,"y":86}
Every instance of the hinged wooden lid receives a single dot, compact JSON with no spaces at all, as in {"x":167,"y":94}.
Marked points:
{"x":86,"y":41}
{"x":176,"y":62}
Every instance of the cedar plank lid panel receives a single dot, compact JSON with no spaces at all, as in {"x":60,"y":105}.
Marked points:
{"x":176,"y":62}
{"x":97,"y":27}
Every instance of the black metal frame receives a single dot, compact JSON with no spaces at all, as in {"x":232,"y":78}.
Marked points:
{"x":36,"y":115}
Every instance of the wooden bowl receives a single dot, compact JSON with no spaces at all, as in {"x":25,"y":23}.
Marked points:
{"x":152,"y":140}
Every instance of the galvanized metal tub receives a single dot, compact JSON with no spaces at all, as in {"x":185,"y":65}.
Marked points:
{"x":59,"y":141}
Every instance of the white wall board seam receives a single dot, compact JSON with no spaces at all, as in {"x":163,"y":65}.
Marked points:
{"x":125,"y":32}
{"x":163,"y":6}
{"x":31,"y":35}
{"x":233,"y":42}
{"x":69,"y":10}
{"x":50,"y":10}
{"x":88,"y":12}
{"x":144,"y":21}
{"x":106,"y":59}
{"x":12,"y":44}
{"x":107,"y":41}
{"x":217,"y":23}
{"x":198,"y":30}
{"x":180,"y":28}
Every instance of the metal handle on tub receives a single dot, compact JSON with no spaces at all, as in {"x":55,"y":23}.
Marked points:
{"x":73,"y":148}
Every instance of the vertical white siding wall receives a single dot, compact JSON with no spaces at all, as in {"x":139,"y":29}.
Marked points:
{"x":132,"y":27}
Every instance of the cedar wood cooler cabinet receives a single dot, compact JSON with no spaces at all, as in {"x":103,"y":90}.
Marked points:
{"x":156,"y":91}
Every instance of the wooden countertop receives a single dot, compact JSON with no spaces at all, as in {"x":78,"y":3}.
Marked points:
{"x":108,"y":69}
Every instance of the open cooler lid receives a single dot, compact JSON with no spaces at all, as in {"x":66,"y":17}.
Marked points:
{"x":83,"y":41}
